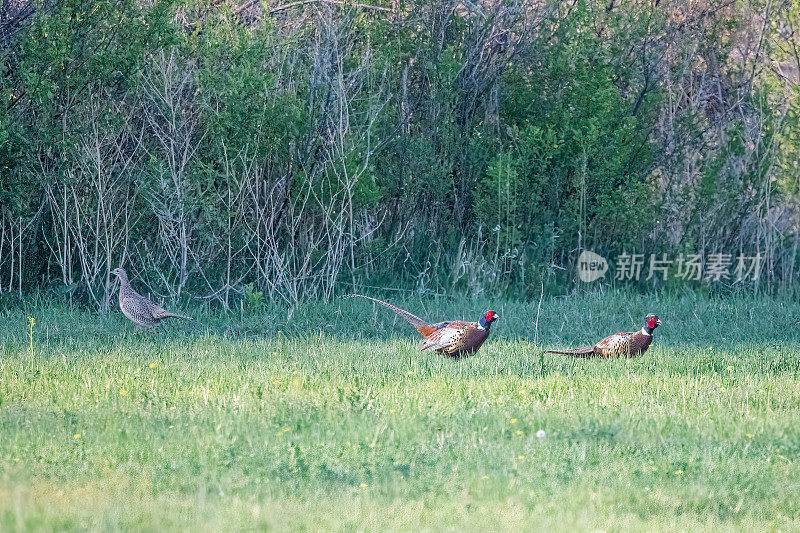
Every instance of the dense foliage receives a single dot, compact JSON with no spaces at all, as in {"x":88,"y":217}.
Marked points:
{"x":229,"y":150}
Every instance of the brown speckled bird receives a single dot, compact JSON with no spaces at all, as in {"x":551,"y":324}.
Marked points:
{"x":455,"y":338}
{"x":620,"y":344}
{"x":136,"y":307}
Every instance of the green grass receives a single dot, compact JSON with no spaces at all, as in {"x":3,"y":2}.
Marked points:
{"x":333,"y":420}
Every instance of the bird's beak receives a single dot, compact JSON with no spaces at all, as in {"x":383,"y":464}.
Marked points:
{"x":658,"y":322}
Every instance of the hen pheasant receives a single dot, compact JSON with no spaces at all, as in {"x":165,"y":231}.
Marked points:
{"x":136,"y":307}
{"x":455,"y":338}
{"x":620,"y":344}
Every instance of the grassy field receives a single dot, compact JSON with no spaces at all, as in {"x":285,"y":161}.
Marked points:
{"x":331,"y":419}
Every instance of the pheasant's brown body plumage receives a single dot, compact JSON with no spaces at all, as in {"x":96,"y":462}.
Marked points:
{"x":454,"y":338}
{"x":140,"y":310}
{"x":626,"y":344}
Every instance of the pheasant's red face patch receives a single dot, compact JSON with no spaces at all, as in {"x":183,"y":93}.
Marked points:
{"x":652,"y":322}
{"x":490,"y":316}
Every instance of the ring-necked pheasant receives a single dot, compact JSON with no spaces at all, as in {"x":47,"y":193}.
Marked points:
{"x":136,"y":307}
{"x":455,"y":338}
{"x":625,"y":344}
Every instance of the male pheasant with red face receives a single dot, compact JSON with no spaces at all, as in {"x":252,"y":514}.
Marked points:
{"x":620,"y":344}
{"x":455,"y":338}
{"x":136,"y":307}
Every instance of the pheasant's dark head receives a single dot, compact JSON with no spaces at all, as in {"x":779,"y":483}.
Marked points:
{"x":487,"y":319}
{"x":651,"y":322}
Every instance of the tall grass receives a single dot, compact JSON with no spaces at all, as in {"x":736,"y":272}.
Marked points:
{"x":333,"y":420}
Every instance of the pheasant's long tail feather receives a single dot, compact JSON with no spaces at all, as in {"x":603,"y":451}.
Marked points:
{"x":167,"y":314}
{"x":414,"y":320}
{"x":175,"y":315}
{"x":586,"y":351}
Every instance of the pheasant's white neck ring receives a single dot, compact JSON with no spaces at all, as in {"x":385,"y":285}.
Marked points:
{"x":480,"y":326}
{"x":646,"y":332}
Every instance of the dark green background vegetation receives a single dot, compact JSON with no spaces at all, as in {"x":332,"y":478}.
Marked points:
{"x":232,"y":150}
